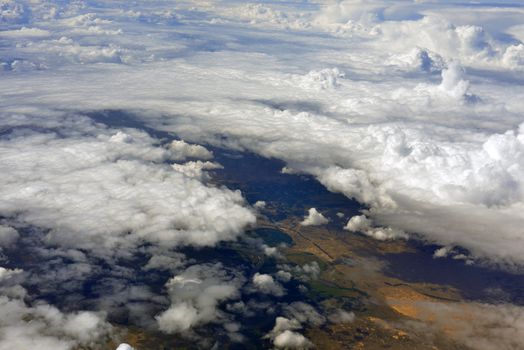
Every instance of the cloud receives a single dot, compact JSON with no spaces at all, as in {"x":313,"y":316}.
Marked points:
{"x":360,"y":223}
{"x":292,"y":340}
{"x":320,"y":79}
{"x":184,"y":150}
{"x":306,"y":272}
{"x":124,"y":346}
{"x":92,"y":203}
{"x":259,"y":205}
{"x":196,"y":169}
{"x":45,"y":327}
{"x":6,"y":274}
{"x":314,"y":218}
{"x":408,"y":143}
{"x":283,"y":276}
{"x":195,"y":296}
{"x":453,"y":82}
{"x":266,"y":284}
{"x":476,"y":325}
{"x":283,"y":335}
{"x":8,"y":235}
{"x":341,"y":316}
{"x":113,"y":191}
{"x":304,"y":313}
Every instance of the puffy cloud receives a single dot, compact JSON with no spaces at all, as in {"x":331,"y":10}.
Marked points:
{"x":391,"y":134}
{"x":453,"y":82}
{"x":341,"y":316}
{"x":163,"y":262}
{"x":283,"y":335}
{"x":183,"y":150}
{"x":196,"y":169}
{"x":320,"y":79}
{"x":358,"y":223}
{"x":304,"y":313}
{"x":361,"y":223}
{"x":45,"y":327}
{"x":314,"y":218}
{"x":441,"y":252}
{"x":113,"y":191}
{"x":283,"y":276}
{"x":292,"y":340}
{"x":6,"y":274}
{"x":8,"y":235}
{"x":270,"y":251}
{"x":266,"y":284}
{"x":304,"y":272}
{"x":91,"y":203}
{"x":195,"y":296}
{"x":259,"y":205}
{"x":124,"y":346}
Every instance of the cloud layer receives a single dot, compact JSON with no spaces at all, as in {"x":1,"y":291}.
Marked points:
{"x":427,"y":132}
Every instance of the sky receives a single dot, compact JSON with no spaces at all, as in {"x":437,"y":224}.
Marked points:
{"x":414,"y":108}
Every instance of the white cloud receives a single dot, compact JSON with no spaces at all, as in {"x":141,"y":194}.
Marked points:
{"x":390,"y":133}
{"x":45,"y":327}
{"x":266,"y":284}
{"x":124,"y":346}
{"x":292,"y":340}
{"x":283,"y":335}
{"x":453,"y":82}
{"x":341,"y":316}
{"x":196,"y":169}
{"x":304,"y":272}
{"x":304,"y":313}
{"x":183,"y":150}
{"x":361,"y":223}
{"x":6,"y":274}
{"x":113,"y":192}
{"x":195,"y":296}
{"x":441,"y":252}
{"x":259,"y":205}
{"x":283,"y":276}
{"x":314,"y":218}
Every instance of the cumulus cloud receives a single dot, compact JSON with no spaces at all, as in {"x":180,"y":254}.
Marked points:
{"x":86,"y":201}
{"x":320,"y":79}
{"x":304,"y":313}
{"x":195,"y":296}
{"x":360,"y":223}
{"x":297,"y":315}
{"x":389,"y":134}
{"x":183,"y":150}
{"x":291,"y":340}
{"x":113,"y":191}
{"x":6,"y":274}
{"x":8,"y":235}
{"x":266,"y":284}
{"x":196,"y":169}
{"x":314,"y":218}
{"x":259,"y":205}
{"x":45,"y":327}
{"x":453,"y":82}
{"x":306,"y":272}
{"x":341,"y":316}
{"x":124,"y":346}
{"x":283,"y":335}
